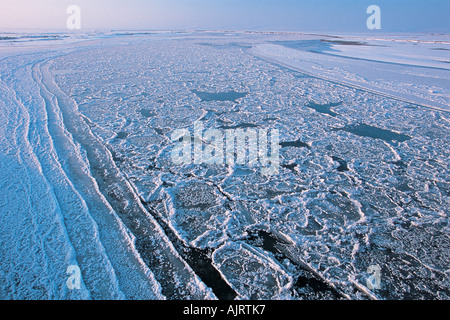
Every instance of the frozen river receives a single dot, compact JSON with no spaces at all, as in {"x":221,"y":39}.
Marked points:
{"x":88,"y":128}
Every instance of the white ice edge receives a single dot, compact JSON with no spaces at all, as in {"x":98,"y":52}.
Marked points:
{"x":286,"y":57}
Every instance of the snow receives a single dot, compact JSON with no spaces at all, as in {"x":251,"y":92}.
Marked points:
{"x":87,"y":176}
{"x":414,"y":69}
{"x":251,"y":272}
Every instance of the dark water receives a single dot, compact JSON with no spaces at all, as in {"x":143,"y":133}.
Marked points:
{"x":342,"y":164}
{"x":316,"y":46}
{"x":295,"y":144}
{"x":122,"y":135}
{"x":324,"y":108}
{"x":365,"y":130}
{"x":231,"y":95}
{"x":290,"y":166}
{"x":346,"y":42}
{"x":147,"y":113}
{"x":32,"y":37}
{"x":307,"y":285}
{"x":198,"y":259}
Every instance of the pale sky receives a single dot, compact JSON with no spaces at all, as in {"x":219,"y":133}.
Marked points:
{"x":276,"y":15}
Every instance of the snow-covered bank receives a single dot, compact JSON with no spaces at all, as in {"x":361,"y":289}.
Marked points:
{"x":66,"y":220}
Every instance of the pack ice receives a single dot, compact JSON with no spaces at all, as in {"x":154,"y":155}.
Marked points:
{"x":87,"y":178}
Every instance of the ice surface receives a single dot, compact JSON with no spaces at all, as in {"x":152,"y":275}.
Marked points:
{"x":410,"y":68}
{"x":87,"y":176}
{"x":251,"y":272}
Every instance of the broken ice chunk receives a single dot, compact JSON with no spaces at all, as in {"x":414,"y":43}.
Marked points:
{"x":251,"y":272}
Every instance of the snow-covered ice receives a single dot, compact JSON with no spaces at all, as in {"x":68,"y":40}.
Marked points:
{"x":87,"y":177}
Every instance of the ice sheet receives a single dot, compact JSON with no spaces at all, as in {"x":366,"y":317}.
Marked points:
{"x":86,"y":146}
